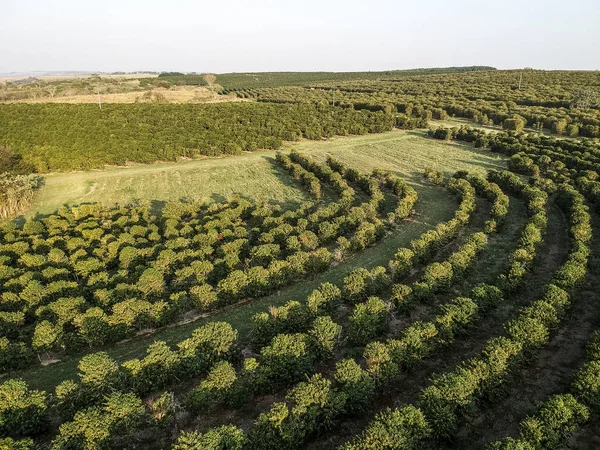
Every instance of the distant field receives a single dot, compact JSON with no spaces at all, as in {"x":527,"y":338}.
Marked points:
{"x":275,"y":79}
{"x":179,"y":94}
{"x":253,"y":175}
{"x":80,"y":76}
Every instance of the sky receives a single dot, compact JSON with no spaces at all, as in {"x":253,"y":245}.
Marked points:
{"x":306,"y":35}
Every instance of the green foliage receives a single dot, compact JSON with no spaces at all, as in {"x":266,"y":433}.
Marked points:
{"x":98,"y":427}
{"x":434,"y":176}
{"x":133,"y":271}
{"x":368,"y":321}
{"x":361,"y":284}
{"x":452,"y":392}
{"x":287,"y":359}
{"x":23,"y":412}
{"x":11,"y":444}
{"x":398,"y":429}
{"x":219,"y":386}
{"x":151,"y":282}
{"x":311,"y":407}
{"x":551,"y":426}
{"x":323,"y":300}
{"x":43,"y":134}
{"x":14,"y":355}
{"x":325,"y":334}
{"x":16,"y":191}
{"x":226,"y":437}
{"x":289,"y":318}
{"x":587,"y":384}
{"x":235,"y":81}
{"x":356,"y":383}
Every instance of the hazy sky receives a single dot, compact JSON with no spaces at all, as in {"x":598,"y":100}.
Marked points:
{"x":265,"y":35}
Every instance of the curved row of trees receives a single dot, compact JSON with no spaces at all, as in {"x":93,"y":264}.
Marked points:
{"x":90,"y":276}
{"x":289,"y":341}
{"x":452,"y":394}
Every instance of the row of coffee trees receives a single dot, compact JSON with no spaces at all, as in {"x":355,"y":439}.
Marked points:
{"x":563,"y":103}
{"x":62,"y":137}
{"x":139,"y":402}
{"x":90,"y":276}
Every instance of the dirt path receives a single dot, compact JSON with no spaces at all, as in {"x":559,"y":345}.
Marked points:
{"x":549,"y":373}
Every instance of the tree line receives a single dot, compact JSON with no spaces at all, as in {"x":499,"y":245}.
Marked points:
{"x":58,"y":137}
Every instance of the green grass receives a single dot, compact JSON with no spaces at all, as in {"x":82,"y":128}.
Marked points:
{"x":255,"y":177}
{"x":405,"y":152}
{"x":251,"y":175}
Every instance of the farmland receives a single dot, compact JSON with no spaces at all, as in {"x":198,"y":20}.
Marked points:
{"x":379,"y":260}
{"x":253,"y":175}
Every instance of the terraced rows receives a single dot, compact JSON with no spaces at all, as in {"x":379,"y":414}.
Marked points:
{"x":90,"y":276}
{"x":427,"y":352}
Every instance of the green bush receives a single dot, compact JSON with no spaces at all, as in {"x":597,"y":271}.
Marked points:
{"x":554,"y":421}
{"x":398,"y":429}
{"x":287,"y":359}
{"x":586,"y":384}
{"x":292,"y":317}
{"x":99,"y":427}
{"x":220,"y":386}
{"x":356,"y":383}
{"x":23,"y":412}
{"x":368,"y":321}
{"x":226,"y":437}
{"x":311,"y":407}
{"x":325,"y":334}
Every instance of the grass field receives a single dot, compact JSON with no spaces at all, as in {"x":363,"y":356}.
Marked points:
{"x":253,"y":175}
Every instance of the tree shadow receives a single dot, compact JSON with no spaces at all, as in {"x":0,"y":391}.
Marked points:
{"x":484,"y":163}
{"x":19,"y":220}
{"x":281,"y":174}
{"x":157,"y":206}
{"x":419,"y":133}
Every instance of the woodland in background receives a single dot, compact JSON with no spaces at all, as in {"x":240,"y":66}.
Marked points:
{"x":559,"y":102}
{"x":61,"y":137}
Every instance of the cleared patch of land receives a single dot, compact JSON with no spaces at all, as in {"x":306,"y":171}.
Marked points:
{"x":253,"y":175}
{"x":179,"y":94}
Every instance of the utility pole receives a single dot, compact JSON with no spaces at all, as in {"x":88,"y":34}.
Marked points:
{"x":520,"y":79}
